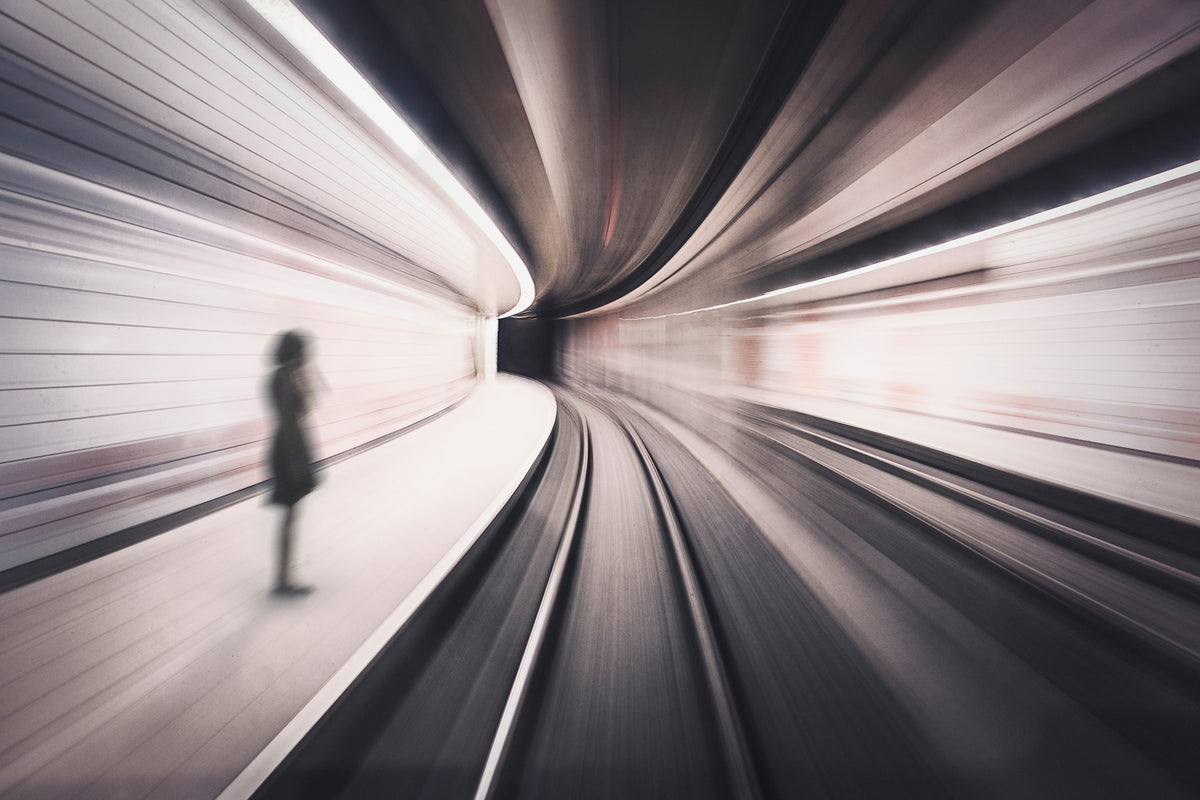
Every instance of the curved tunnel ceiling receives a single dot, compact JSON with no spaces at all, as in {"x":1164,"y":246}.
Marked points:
{"x":725,"y":147}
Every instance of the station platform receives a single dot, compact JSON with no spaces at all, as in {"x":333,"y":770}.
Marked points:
{"x":169,"y":670}
{"x":1159,"y":485}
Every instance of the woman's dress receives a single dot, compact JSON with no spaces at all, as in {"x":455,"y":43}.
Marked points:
{"x":291,"y":461}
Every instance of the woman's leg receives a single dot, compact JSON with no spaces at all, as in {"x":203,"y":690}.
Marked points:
{"x":285,"y":547}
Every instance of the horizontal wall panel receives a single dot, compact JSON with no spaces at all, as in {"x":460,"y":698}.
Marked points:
{"x":244,"y":135}
{"x":173,"y":196}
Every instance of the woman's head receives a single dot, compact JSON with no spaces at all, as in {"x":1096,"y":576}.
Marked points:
{"x":290,"y":348}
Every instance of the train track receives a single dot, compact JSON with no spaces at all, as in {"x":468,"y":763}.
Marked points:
{"x":594,"y":700}
{"x":1110,"y":617}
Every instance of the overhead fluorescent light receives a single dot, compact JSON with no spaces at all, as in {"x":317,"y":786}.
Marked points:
{"x":291,"y":23}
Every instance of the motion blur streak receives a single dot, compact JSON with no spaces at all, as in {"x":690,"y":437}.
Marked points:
{"x":870,"y":464}
{"x":1078,"y":324}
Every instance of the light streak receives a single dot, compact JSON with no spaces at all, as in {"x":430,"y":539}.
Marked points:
{"x":1059,"y":212}
{"x":289,"y":21}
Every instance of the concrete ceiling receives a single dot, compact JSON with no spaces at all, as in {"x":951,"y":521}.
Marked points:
{"x":718,"y":147}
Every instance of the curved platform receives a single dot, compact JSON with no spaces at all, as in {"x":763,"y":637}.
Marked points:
{"x":169,"y":670}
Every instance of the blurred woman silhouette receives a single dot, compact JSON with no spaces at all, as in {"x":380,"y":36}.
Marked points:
{"x":291,"y":460}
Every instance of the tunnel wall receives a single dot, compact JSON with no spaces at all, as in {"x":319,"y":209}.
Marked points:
{"x":172,"y":196}
{"x":1080,"y":324}
{"x":136,"y":363}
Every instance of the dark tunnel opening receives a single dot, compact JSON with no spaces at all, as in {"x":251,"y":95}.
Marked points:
{"x":527,"y":347}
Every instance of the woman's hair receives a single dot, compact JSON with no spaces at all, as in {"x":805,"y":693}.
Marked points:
{"x":291,"y":346}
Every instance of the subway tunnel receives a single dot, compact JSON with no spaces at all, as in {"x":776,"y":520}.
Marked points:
{"x":716,"y":399}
